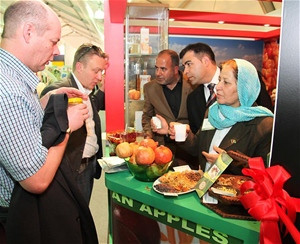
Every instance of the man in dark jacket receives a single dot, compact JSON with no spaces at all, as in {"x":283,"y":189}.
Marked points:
{"x":85,"y":144}
{"x":166,"y":96}
{"x":60,"y":214}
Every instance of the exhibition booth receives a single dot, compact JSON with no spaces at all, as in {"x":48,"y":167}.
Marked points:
{"x":130,"y":198}
{"x":140,"y":209}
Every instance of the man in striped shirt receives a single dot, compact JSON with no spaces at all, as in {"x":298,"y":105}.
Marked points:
{"x":29,"y":41}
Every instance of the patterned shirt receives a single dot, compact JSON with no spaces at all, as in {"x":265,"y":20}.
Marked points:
{"x":21,"y":115}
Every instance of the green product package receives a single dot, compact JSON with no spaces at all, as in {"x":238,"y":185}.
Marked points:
{"x":213,"y":174}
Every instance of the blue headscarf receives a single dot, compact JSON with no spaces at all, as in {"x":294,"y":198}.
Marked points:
{"x":248,"y":87}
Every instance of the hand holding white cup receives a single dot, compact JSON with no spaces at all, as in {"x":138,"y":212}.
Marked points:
{"x":156,"y":122}
{"x":180,"y":132}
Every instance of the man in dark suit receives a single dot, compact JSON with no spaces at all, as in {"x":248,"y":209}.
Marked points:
{"x":85,"y":144}
{"x":166,"y":96}
{"x":201,"y":69}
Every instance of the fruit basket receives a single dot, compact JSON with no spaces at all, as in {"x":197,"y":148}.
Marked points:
{"x":145,"y":159}
{"x":148,"y":172}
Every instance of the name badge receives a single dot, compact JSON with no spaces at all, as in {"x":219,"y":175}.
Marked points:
{"x":207,"y":125}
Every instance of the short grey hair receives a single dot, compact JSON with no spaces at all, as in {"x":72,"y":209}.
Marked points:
{"x":19,"y":12}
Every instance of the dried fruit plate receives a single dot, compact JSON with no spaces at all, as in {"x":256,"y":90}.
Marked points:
{"x":227,"y":188}
{"x":177,"y":183}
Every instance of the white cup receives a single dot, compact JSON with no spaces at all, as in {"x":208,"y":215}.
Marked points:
{"x":180,"y":132}
{"x":157,"y":122}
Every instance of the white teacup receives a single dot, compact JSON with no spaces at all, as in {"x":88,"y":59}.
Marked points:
{"x":157,"y":122}
{"x":180,"y":132}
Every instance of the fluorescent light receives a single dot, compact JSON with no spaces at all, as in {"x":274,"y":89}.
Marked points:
{"x":99,"y":14}
{"x":216,"y":37}
{"x":221,"y":22}
{"x":266,"y":25}
{"x":171,"y":19}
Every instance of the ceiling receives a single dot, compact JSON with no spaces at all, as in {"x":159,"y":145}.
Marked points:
{"x":243,"y":18}
{"x":77,"y":18}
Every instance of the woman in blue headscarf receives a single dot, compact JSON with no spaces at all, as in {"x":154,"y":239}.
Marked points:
{"x":234,"y":121}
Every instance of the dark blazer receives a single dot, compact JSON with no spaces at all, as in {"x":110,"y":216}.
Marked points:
{"x":78,"y":137}
{"x":252,"y":138}
{"x":264,"y":98}
{"x":60,"y":214}
{"x":196,"y":107}
{"x":156,"y":103}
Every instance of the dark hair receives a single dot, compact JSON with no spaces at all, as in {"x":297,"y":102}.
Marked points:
{"x":174,"y":56}
{"x":199,"y":49}
{"x":87,"y":50}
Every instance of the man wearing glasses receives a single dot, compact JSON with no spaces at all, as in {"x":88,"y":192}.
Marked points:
{"x":85,"y":144}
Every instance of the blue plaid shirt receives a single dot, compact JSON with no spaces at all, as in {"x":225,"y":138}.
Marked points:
{"x":21,"y":115}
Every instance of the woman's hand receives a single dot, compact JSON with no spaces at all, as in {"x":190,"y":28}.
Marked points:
{"x":212,"y":157}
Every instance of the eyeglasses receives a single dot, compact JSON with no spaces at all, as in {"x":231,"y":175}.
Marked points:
{"x":97,"y":50}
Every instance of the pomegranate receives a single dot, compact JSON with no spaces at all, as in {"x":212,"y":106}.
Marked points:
{"x":123,"y":150}
{"x":134,"y":94}
{"x":163,"y":155}
{"x":134,"y":146}
{"x":149,"y":143}
{"x":144,"y":155}
{"x":132,"y":159}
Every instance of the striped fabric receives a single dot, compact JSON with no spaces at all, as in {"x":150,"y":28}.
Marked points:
{"x":21,"y":150}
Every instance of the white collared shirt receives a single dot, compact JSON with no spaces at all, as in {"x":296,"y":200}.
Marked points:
{"x":91,"y":147}
{"x":216,"y":141}
{"x":215,"y":80}
{"x":80,"y":86}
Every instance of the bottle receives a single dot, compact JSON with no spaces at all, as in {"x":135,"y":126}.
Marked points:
{"x":138,"y":82}
{"x":145,"y":68}
{"x":144,"y":78}
{"x":137,"y":75}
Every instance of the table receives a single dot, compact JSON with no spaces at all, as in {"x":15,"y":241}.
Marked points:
{"x":184,"y":212}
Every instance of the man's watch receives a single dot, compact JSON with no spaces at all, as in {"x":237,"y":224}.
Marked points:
{"x":68,"y":131}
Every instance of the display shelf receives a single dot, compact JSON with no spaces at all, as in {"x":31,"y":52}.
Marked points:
{"x":146,"y":34}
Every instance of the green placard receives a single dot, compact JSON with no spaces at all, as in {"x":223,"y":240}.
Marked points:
{"x":213,"y":174}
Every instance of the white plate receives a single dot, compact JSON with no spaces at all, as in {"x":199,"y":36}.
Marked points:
{"x":169,"y":193}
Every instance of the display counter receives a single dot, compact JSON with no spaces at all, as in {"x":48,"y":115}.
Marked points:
{"x":184,"y":212}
